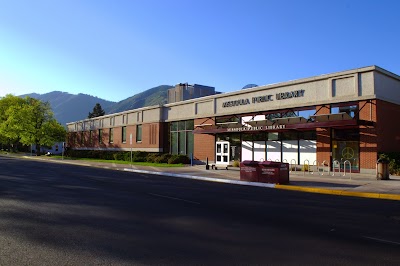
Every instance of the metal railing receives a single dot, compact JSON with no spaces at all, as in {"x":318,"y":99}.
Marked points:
{"x":304,"y":167}
{"x":334,"y":163}
{"x":344,"y":168}
{"x":291,"y":165}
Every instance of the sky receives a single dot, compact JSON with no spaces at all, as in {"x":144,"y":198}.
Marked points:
{"x":115,"y":49}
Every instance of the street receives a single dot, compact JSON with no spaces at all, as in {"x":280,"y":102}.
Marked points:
{"x":65,"y":214}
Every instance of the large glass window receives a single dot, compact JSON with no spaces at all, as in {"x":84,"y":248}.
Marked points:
{"x":345,"y":148}
{"x":100,"y":136}
{"x":111,"y":135}
{"x":139,"y":133}
{"x":181,"y":137}
{"x":91,"y":137}
{"x":123,"y":134}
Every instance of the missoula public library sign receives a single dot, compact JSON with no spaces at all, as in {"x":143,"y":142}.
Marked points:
{"x":264,"y":98}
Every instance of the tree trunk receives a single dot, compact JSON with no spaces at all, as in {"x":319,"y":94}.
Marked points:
{"x":37,"y":149}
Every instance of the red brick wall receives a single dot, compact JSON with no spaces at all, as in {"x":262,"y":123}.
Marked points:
{"x":368,"y":136}
{"x":323,"y":137}
{"x":152,"y":137}
{"x":204,"y":144}
{"x":388,"y":123}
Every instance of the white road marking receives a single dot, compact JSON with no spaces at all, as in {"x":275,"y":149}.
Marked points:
{"x":162,"y":196}
{"x":382,"y":240}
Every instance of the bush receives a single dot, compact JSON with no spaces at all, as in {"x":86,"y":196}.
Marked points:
{"x":163,"y":158}
{"x":176,"y":159}
{"x":139,"y":156}
{"x":119,"y":156}
{"x":394,"y":161}
{"x":236,"y":164}
{"x":151,"y":157}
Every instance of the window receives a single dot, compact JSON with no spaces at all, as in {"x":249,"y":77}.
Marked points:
{"x":181,"y":137}
{"x":139,"y":133}
{"x":350,"y":109}
{"x":82,"y":138}
{"x":100,"y":136}
{"x":123,"y":134}
{"x":111,"y":136}
{"x":90,"y":137}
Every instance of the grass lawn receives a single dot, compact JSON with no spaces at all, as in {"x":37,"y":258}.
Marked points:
{"x":120,"y":162}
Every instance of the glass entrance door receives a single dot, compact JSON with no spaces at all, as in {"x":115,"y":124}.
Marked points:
{"x":346,"y":151}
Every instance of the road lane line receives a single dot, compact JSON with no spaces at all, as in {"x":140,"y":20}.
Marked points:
{"x":162,"y":196}
{"x":382,"y":240}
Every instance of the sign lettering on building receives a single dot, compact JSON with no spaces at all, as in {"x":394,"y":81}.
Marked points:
{"x":265,"y":98}
{"x":257,"y":128}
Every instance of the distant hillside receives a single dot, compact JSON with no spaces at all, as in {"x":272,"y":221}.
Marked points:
{"x":70,"y":107}
{"x":153,"y":96}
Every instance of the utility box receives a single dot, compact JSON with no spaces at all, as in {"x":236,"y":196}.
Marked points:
{"x":249,"y":171}
{"x":274,"y":172}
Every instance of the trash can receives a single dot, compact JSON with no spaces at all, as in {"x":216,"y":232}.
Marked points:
{"x":274,"y":172}
{"x":382,"y":169}
{"x":249,"y":171}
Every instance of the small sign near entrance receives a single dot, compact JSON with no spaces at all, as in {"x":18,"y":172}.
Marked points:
{"x":130,"y":138}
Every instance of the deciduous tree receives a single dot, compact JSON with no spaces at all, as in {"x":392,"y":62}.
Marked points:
{"x":30,"y":122}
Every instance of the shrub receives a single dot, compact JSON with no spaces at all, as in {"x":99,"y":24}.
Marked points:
{"x":176,"y":159}
{"x":236,"y":164}
{"x":394,"y":161}
{"x":119,"y":156}
{"x":151,"y":157}
{"x":162,"y":158}
{"x":139,"y":156}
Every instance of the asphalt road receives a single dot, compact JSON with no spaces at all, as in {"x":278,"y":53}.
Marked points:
{"x":57,"y":214}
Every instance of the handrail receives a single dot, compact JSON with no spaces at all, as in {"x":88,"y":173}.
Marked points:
{"x":304,"y":167}
{"x":291,"y":165}
{"x":277,"y":160}
{"x":335,"y":162}
{"x":344,"y":168}
{"x":316,"y":163}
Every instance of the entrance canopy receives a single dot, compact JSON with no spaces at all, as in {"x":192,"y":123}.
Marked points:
{"x":283,"y":124}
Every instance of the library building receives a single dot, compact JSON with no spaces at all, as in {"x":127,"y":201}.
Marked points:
{"x":343,"y":119}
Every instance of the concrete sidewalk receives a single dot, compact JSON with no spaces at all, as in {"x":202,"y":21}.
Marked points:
{"x":358,"y":185}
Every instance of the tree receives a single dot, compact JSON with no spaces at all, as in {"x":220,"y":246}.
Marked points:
{"x":31,"y":122}
{"x":97,"y":111}
{"x":8,"y":105}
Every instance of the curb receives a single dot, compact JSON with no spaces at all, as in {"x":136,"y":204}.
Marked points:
{"x":202,"y":178}
{"x":340,"y":192}
{"x":277,"y":186}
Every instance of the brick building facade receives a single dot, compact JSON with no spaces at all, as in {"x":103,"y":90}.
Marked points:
{"x":335,"y":119}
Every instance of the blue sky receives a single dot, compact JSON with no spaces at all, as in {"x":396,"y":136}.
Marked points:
{"x":115,"y":49}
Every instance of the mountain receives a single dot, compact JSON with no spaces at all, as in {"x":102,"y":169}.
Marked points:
{"x":70,"y":107}
{"x":153,"y":96}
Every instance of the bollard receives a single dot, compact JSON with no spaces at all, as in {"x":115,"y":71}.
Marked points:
{"x":207,"y":166}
